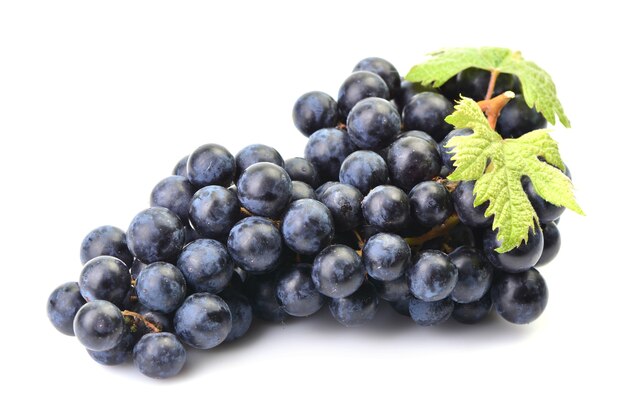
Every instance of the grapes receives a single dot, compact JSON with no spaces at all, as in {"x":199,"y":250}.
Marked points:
{"x":432,"y":277}
{"x":213,"y":211}
{"x":299,"y":169}
{"x":357,"y":308}
{"x":211,"y":164}
{"x":364,"y":170}
{"x":159,"y":355}
{"x":520,"y":298}
{"x":516,"y":260}
{"x":105,"y":240}
{"x":516,"y":119}
{"x":431,"y":203}
{"x":384,"y":69}
{"x":264,"y":189}
{"x":426,"y":112}
{"x":314,"y":111}
{"x":252,"y":154}
{"x":104,"y":278}
{"x":99,"y":325}
{"x":63,"y":304}
{"x":337,"y":271}
{"x":161,"y":287}
{"x":326,"y":151}
{"x":368,"y":214}
{"x":373,"y":123}
{"x":255,"y":245}
{"x":307,"y":226}
{"x":344,"y":203}
{"x":296,"y":292}
{"x":155,"y":234}
{"x":412,"y":159}
{"x":386,"y":256}
{"x":386,"y":207}
{"x":358,"y":86}
{"x":173,"y":193}
{"x":203,"y":321}
{"x":206,"y":266}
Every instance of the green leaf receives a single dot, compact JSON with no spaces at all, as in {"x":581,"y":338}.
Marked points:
{"x":538,"y":87}
{"x":497,"y":166}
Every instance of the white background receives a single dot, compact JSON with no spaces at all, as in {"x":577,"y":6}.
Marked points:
{"x":99,"y":100}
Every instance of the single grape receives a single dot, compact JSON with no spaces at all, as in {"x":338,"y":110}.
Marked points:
{"x":357,"y":308}
{"x":426,"y":112}
{"x":547,"y":212}
{"x":450,"y":89}
{"x":344,"y":202}
{"x":430,"y":313}
{"x":326,"y":151}
{"x":516,"y":119}
{"x":519,"y":298}
{"x":105,"y":240}
{"x":252,"y":154}
{"x":255,"y":245}
{"x":471,"y":313}
{"x":386,"y":257}
{"x":299,"y":169}
{"x":446,"y":152}
{"x":241,"y":312}
{"x":337,"y":271}
{"x":203,"y":321}
{"x":174,"y":193}
{"x":206,"y":266}
{"x":307,"y":226}
{"x":411,"y":160}
{"x":181,"y":167}
{"x":384,"y":69}
{"x":401,"y":306}
{"x":213,"y":211}
{"x":159,"y":355}
{"x":314,"y":111}
{"x":386,"y":207}
{"x":99,"y":325}
{"x":155,"y":234}
{"x":301,"y":190}
{"x":519,"y":259}
{"x":104,"y":278}
{"x":407,"y":91}
{"x":475,"y":274}
{"x":319,"y":191}
{"x":474,"y":82}
{"x":463,"y":198}
{"x":120,"y":353}
{"x":393,"y":291}
{"x":62,"y":306}
{"x":211,"y":164}
{"x":431,"y":203}
{"x":136,"y":268}
{"x":261,"y":291}
{"x":432,"y":277}
{"x":190,"y":235}
{"x":161,"y":287}
{"x":264,"y":189}
{"x":296,"y":292}
{"x":359,"y":86}
{"x":551,"y":243}
{"x":373,"y":123}
{"x":364,"y":170}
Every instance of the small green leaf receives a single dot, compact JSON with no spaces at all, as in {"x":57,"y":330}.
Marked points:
{"x":537,"y":85}
{"x":498,"y":166}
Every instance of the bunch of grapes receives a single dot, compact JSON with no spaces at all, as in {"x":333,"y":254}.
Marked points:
{"x":367,"y":216}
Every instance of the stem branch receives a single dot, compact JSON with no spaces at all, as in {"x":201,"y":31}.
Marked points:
{"x":137,"y":316}
{"x":435,"y":232}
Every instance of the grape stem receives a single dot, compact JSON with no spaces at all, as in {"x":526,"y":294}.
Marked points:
{"x":137,"y":316}
{"x":492,"y":107}
{"x":247,"y":213}
{"x":435,"y":232}
{"x":359,"y":239}
{"x":492,"y":84}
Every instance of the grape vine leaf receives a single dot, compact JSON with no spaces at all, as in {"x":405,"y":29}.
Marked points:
{"x":537,"y":85}
{"x":497,"y":165}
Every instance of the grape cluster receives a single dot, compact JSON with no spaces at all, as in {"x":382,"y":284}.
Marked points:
{"x":367,"y":216}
